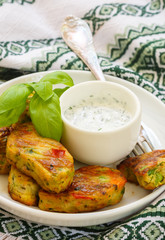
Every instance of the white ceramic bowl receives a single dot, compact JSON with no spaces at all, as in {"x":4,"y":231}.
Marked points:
{"x":94,"y":147}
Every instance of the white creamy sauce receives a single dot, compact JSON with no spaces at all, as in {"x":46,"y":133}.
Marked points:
{"x":98,"y":113}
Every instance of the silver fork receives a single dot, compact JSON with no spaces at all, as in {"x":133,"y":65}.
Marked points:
{"x":143,"y":144}
{"x":77,"y":35}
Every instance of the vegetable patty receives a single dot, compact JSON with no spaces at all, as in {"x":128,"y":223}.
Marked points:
{"x":147,"y":169}
{"x":22,"y":188}
{"x":44,"y":159}
{"x":93,"y":187}
{"x":4,"y":165}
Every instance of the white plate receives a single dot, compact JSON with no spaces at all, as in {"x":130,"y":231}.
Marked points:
{"x":135,"y":197}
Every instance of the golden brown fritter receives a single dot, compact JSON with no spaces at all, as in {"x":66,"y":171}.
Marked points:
{"x":43,"y":159}
{"x":93,"y":188}
{"x":22,"y":188}
{"x":147,"y":169}
{"x":4,"y":165}
{"x":4,"y":133}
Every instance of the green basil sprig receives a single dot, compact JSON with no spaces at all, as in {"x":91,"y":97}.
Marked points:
{"x":44,"y":107}
{"x":13,"y":103}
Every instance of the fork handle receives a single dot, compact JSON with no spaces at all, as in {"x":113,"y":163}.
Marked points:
{"x":89,"y":57}
{"x":77,"y":35}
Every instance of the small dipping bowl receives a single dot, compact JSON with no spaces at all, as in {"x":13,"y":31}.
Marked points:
{"x":95,"y":147}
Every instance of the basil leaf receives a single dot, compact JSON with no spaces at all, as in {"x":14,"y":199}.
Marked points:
{"x":46,"y":116}
{"x":43,"y":89}
{"x":58,"y":77}
{"x":11,"y":116}
{"x":13,"y":103}
{"x":14,"y":97}
{"x":60,"y":91}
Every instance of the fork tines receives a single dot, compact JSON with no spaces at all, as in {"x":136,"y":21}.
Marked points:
{"x":144,"y":144}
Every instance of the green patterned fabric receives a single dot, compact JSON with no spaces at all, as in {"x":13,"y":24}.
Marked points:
{"x":148,"y":224}
{"x":129,"y":37}
{"x":16,"y":1}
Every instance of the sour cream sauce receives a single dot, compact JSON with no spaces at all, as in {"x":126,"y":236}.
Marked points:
{"x":98,"y":113}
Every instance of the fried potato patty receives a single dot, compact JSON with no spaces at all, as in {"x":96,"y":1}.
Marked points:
{"x":148,"y":169}
{"x":22,"y":188}
{"x":43,"y":159}
{"x":4,"y":165}
{"x":4,"y":133}
{"x":93,"y":187}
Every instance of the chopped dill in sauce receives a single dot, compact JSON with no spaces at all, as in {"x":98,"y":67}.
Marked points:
{"x":98,"y":114}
